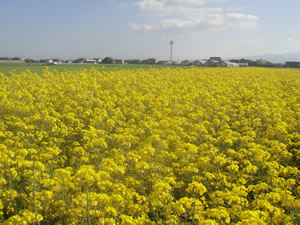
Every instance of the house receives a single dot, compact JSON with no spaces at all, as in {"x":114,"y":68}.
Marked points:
{"x":108,"y":60}
{"x":5,"y":59}
{"x":241,"y":62}
{"x":252,"y":63}
{"x":197,"y":63}
{"x":31,"y":61}
{"x":57,"y":61}
{"x":215,"y":59}
{"x":18,"y":60}
{"x":174,"y":63}
{"x":221,"y":63}
{"x":232,"y":64}
{"x":210,"y":63}
{"x":98,"y":60}
{"x":79,"y":60}
{"x":52,"y":62}
{"x":292,"y":64}
{"x":43,"y":60}
{"x":164,"y":62}
{"x":151,"y":61}
{"x":246,"y":64}
{"x":133,"y":61}
{"x":119,"y":61}
{"x":91,"y":61}
{"x":186,"y":63}
{"x":263,"y":62}
{"x":167,"y":63}
{"x":12,"y":60}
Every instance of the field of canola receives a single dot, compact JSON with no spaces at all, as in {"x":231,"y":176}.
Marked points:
{"x":157,"y":146}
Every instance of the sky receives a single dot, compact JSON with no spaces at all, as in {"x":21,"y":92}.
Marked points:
{"x":140,"y":29}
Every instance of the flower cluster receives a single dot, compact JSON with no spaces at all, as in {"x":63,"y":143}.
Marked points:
{"x":157,"y":146}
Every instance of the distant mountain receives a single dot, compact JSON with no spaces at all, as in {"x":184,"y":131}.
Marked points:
{"x":276,"y":58}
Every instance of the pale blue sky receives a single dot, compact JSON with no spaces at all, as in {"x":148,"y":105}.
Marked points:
{"x":143,"y":28}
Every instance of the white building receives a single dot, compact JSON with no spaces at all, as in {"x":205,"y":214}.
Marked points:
{"x":232,"y":64}
{"x":91,"y":61}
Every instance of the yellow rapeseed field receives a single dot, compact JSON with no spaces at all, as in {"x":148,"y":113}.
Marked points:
{"x":157,"y":146}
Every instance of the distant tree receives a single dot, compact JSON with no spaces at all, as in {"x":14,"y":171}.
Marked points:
{"x":30,"y":61}
{"x":57,"y":60}
{"x":5,"y":58}
{"x":16,"y":58}
{"x":79,"y":60}
{"x":108,"y":60}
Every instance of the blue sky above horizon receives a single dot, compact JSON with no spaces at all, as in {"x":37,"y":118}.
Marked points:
{"x":143,"y":28}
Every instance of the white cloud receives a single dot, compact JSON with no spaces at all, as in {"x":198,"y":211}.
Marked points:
{"x":241,"y":20}
{"x":254,"y":41}
{"x":193,"y":2}
{"x":167,"y":24}
{"x":171,"y":7}
{"x":240,"y":16}
{"x":235,"y":9}
{"x":177,"y":23}
{"x":144,"y":27}
{"x":151,"y":5}
{"x":191,"y":14}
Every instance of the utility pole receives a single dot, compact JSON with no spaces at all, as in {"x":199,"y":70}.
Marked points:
{"x":171,"y":50}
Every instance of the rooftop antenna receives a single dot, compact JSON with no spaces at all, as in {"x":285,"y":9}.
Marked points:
{"x":171,"y":50}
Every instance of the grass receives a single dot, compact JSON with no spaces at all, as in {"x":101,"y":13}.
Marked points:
{"x":7,"y":68}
